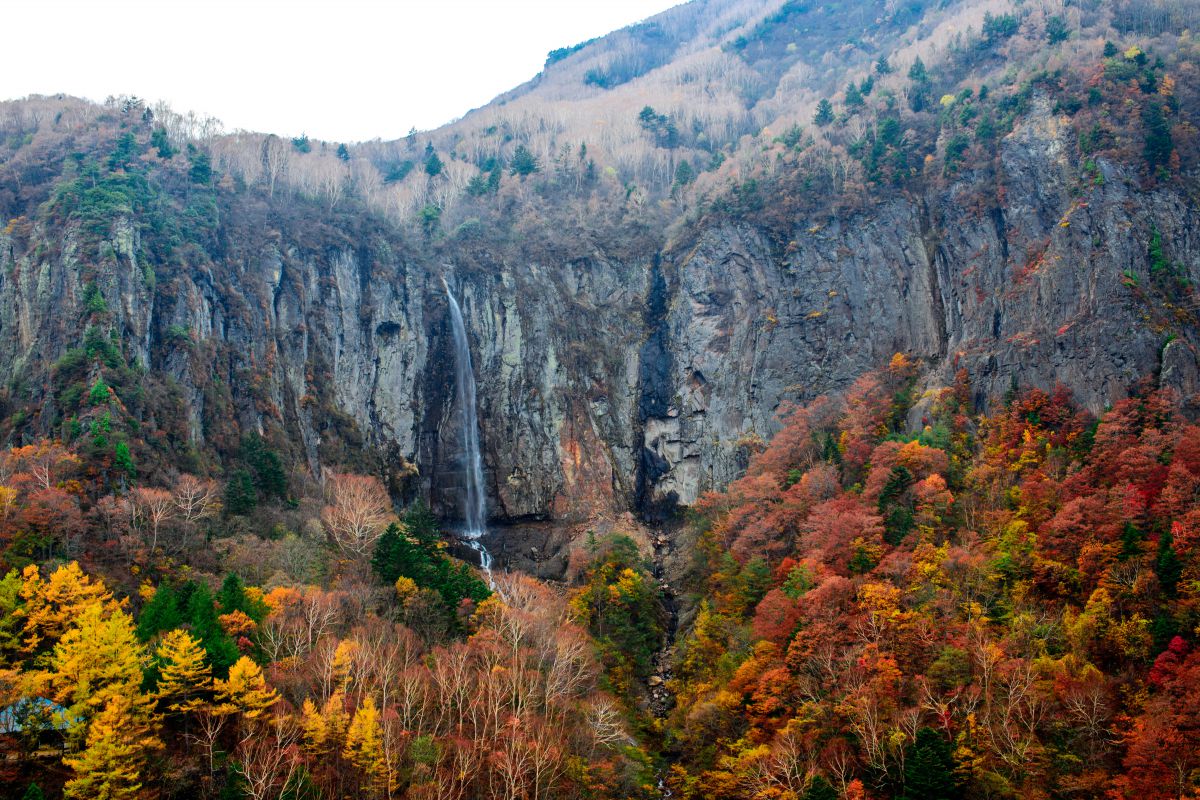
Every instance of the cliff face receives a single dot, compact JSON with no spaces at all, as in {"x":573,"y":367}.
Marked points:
{"x":608,"y":383}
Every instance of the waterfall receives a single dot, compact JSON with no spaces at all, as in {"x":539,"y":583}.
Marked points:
{"x":474,"y":508}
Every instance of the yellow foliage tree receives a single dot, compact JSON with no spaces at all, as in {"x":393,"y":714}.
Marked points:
{"x":315,"y":731}
{"x":364,"y":748}
{"x":50,"y":606}
{"x":98,"y":658}
{"x":246,"y":689}
{"x":109,"y":767}
{"x":183,"y":675}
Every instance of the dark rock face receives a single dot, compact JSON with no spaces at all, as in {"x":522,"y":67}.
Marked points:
{"x":607,"y":384}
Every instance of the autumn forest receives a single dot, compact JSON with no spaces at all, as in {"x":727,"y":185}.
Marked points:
{"x":771,"y":400}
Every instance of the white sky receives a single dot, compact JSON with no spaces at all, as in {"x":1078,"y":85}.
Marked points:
{"x":349,"y":70}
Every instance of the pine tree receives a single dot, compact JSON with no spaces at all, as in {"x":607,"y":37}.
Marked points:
{"x":854,"y":98}
{"x":524,"y":162}
{"x":820,"y":789}
{"x":824,"y":114}
{"x":929,"y":768}
{"x":109,"y":767}
{"x":246,"y":689}
{"x":183,"y":675}
{"x":202,"y":616}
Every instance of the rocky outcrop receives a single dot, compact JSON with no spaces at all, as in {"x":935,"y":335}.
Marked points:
{"x":608,"y":383}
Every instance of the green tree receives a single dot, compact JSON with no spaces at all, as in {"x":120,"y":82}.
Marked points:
{"x":1057,"y":30}
{"x":413,"y":550}
{"x":1167,"y":565}
{"x":854,"y":98}
{"x":201,"y":614}
{"x":162,"y":613}
{"x":160,"y":141}
{"x":430,"y":218}
{"x":929,"y":768}
{"x":123,"y":459}
{"x":1158,"y":145}
{"x":684,"y":174}
{"x":433,"y":164}
{"x":240,"y":495}
{"x":824,"y":114}
{"x":620,"y":603}
{"x":302,"y":144}
{"x":126,"y":151}
{"x":820,"y":789}
{"x":269,"y":477}
{"x":343,"y":153}
{"x":200,"y":171}
{"x":882,"y":67}
{"x":524,"y":162}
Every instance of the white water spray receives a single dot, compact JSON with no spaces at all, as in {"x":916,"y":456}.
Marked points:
{"x":475,"y":506}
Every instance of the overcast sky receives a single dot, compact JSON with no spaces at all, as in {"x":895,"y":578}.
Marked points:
{"x":348,"y":70}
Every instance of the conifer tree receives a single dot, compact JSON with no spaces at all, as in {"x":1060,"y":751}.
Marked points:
{"x":97,"y":659}
{"x":929,"y":768}
{"x":364,"y":748}
{"x":246,"y":689}
{"x":109,"y":767}
{"x":183,"y":675}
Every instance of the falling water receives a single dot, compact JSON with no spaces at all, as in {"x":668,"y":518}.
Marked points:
{"x":474,"y":510}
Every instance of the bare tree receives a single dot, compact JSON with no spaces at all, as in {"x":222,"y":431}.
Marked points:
{"x":358,"y":513}
{"x":196,"y":499}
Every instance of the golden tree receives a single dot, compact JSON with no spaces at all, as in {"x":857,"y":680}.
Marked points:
{"x":99,"y":658}
{"x":50,"y":606}
{"x":364,"y":748}
{"x":109,"y":767}
{"x":183,"y":675}
{"x":246,"y":689}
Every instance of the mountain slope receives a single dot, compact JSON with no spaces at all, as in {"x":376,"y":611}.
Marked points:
{"x":637,"y":324}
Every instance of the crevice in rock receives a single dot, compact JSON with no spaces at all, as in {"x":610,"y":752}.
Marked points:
{"x":932,"y":245}
{"x":655,"y":391}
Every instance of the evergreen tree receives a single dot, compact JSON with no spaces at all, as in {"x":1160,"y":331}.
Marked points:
{"x":882,"y":67}
{"x":929,"y":769}
{"x":684,"y":174}
{"x":240,"y":495}
{"x":820,"y":789}
{"x":1167,"y":565}
{"x":1158,"y":136}
{"x":159,"y":141}
{"x":200,"y":171}
{"x":269,"y":477}
{"x":343,"y":153}
{"x":433,"y":164}
{"x":162,"y":613}
{"x":221,"y":650}
{"x":524,"y":162}
{"x":824,"y":114}
{"x":854,"y":98}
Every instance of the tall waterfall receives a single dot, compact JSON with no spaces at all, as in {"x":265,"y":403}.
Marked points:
{"x":474,"y":508}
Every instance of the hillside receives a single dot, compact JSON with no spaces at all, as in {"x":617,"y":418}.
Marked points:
{"x":835,"y":363}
